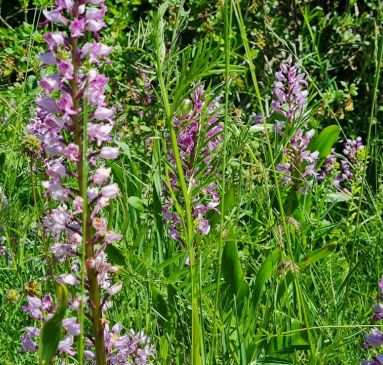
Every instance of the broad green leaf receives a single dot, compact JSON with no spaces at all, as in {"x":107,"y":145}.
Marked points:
{"x":115,"y":255}
{"x":299,"y":339}
{"x":145,"y":128}
{"x":136,"y":203}
{"x":229,"y":202}
{"x":51,"y":332}
{"x":117,"y":172}
{"x":285,"y":344}
{"x":326,"y":140}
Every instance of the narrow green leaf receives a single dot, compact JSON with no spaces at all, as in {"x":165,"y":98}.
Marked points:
{"x":232,"y":271}
{"x":312,"y":257}
{"x":2,"y":160}
{"x":317,"y":255}
{"x":159,"y":303}
{"x":265,"y":272}
{"x":173,"y":259}
{"x":124,"y":147}
{"x":337,"y":197}
{"x":260,"y":128}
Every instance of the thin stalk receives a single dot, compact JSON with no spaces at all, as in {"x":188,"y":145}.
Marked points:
{"x":245,"y":41}
{"x":38,"y":220}
{"x":189,"y":232}
{"x":84,"y":229}
{"x":34,"y":191}
{"x":378,"y":64}
{"x":227,"y":34}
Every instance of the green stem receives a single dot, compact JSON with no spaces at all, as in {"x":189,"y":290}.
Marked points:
{"x":227,"y":34}
{"x":189,"y":231}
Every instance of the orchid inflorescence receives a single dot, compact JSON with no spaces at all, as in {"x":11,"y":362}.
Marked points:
{"x":345,"y":170}
{"x":300,"y":166}
{"x":290,"y":96}
{"x":74,"y":125}
{"x":198,"y":138}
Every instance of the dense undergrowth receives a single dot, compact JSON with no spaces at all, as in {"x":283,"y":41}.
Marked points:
{"x":248,"y":186}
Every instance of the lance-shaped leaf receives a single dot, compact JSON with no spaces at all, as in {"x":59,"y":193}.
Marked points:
{"x":266,"y":271}
{"x":326,"y":140}
{"x":51,"y":332}
{"x":232,"y":271}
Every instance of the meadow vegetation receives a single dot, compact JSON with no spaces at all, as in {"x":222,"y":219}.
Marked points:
{"x":191,"y":182}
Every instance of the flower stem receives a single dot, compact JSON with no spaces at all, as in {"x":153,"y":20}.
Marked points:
{"x":189,"y":231}
{"x":227,"y":35}
{"x":88,"y":254}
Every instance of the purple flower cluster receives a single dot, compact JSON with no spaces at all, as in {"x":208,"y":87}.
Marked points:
{"x":375,"y":337}
{"x":327,"y":167}
{"x":347,"y":167}
{"x":290,"y":98}
{"x":133,"y":348}
{"x":351,"y":149}
{"x":43,"y":310}
{"x":72,"y":94}
{"x":300,"y":165}
{"x":199,"y":138}
{"x":351,"y":154}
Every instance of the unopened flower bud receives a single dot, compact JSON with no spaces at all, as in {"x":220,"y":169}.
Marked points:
{"x":32,"y":146}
